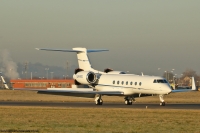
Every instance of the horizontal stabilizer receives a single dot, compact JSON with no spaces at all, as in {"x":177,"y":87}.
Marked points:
{"x":69,"y":50}
{"x":83,"y":60}
{"x":60,"y":50}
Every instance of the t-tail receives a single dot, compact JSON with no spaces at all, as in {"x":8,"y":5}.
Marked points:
{"x":83,"y":60}
{"x":4,"y":82}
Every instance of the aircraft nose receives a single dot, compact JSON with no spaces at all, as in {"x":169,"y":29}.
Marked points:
{"x":169,"y":90}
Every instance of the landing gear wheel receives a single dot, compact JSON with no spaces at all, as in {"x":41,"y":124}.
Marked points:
{"x":99,"y":102}
{"x":162,"y":104}
{"x":128,"y":102}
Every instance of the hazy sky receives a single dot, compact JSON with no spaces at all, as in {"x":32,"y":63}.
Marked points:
{"x":141,"y":35}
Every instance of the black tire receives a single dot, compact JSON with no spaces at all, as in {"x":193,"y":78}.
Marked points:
{"x":163,"y":103}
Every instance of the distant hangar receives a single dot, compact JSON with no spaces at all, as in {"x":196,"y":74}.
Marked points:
{"x":41,"y":83}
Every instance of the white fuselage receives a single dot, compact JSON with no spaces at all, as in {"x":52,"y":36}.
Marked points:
{"x":133,"y":84}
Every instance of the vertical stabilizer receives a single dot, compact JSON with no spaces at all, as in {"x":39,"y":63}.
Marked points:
{"x":83,"y":60}
{"x":4,"y":82}
{"x":193,"y":84}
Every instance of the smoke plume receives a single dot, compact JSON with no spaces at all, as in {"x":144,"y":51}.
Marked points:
{"x":8,"y":66}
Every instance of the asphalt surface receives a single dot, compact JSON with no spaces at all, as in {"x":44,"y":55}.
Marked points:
{"x":105,"y":105}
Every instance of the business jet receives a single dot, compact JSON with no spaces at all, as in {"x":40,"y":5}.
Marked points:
{"x":3,"y":81}
{"x":109,"y":82}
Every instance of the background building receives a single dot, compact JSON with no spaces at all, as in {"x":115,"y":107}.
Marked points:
{"x":42,"y":83}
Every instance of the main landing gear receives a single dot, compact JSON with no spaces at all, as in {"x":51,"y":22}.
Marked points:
{"x":162,"y":102}
{"x":129,"y":100}
{"x":98,"y":100}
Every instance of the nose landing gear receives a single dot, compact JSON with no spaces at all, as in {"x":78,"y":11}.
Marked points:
{"x":162,"y":103}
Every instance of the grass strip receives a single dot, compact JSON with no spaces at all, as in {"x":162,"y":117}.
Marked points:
{"x":49,"y":119}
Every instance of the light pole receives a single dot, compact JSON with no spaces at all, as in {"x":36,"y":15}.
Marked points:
{"x":47,"y":69}
{"x":166,"y":75}
{"x":31,"y":75}
{"x":67,"y":67}
{"x":174,"y":82}
{"x":159,"y":71}
{"x":198,"y":83}
{"x":35,"y":75}
{"x":51,"y":75}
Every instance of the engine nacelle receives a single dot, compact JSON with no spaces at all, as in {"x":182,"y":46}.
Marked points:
{"x":85,"y":77}
{"x":111,"y":71}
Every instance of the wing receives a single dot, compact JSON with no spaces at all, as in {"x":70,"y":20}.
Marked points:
{"x":75,"y":91}
{"x":182,"y":90}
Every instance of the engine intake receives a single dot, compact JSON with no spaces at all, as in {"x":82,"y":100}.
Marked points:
{"x":85,"y":77}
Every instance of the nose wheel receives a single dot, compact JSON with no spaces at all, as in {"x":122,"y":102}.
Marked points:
{"x":162,"y":102}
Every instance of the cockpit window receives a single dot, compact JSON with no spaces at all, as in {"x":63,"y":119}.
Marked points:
{"x":159,"y":81}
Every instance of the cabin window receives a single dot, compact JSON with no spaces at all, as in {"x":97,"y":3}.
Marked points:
{"x":122,"y":82}
{"x":126,"y":82}
{"x":135,"y":83}
{"x":159,"y":81}
{"x":131,"y":83}
{"x":114,"y":82}
{"x":117,"y":82}
{"x":140,"y":83}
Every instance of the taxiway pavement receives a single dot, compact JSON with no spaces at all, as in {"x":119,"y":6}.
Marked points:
{"x":105,"y":105}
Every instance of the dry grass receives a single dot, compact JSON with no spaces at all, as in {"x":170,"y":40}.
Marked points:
{"x":98,"y":120}
{"x":49,"y":119}
{"x":16,"y":95}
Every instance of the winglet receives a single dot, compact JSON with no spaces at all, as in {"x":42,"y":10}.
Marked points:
{"x":4,"y":82}
{"x":193,"y":84}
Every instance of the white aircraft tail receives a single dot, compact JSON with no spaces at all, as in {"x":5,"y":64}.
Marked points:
{"x":4,"y":82}
{"x":193,"y":84}
{"x":83,"y":60}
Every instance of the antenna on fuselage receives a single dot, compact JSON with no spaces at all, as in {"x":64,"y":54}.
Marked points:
{"x":142,"y":73}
